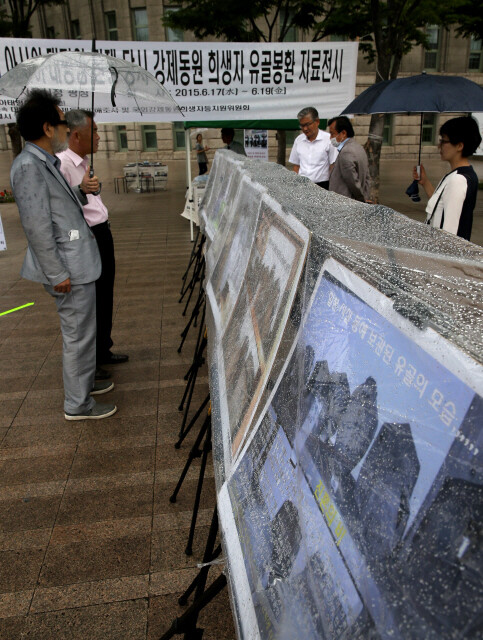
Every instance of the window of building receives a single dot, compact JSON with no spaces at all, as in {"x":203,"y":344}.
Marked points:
{"x":173,"y":35}
{"x":428,"y":133}
{"x":431,"y":55}
{"x":50,"y":32}
{"x":111,"y":25}
{"x":122,"y":144}
{"x":291,"y":34}
{"x":178,"y":136}
{"x":476,"y":57}
{"x":150,"y":140}
{"x":388,"y":130}
{"x":140,"y":24}
{"x":75,"y":33}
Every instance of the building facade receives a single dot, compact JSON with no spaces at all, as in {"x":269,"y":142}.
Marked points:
{"x":141,"y":20}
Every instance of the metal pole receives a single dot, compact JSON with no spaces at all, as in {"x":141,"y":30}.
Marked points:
{"x":188,"y":179}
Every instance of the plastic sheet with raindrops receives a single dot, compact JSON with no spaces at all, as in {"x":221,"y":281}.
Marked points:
{"x":346,"y":379}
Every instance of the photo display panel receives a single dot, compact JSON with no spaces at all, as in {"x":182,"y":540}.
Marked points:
{"x":354,"y":508}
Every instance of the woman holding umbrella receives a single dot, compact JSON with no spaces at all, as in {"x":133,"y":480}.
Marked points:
{"x":451,"y":204}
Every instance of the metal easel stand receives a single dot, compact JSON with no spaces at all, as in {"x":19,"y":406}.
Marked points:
{"x":195,"y":250}
{"x":198,"y":271}
{"x":196,"y":452}
{"x":198,"y":276}
{"x":187,"y":623}
{"x":200,"y":303}
{"x":192,"y":373}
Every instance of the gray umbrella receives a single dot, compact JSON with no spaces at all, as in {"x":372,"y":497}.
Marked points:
{"x":79,"y":78}
{"x":423,"y":93}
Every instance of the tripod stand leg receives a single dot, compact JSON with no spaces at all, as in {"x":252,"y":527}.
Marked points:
{"x":182,"y":600}
{"x":194,"y":453}
{"x":184,"y":432}
{"x":204,"y":457}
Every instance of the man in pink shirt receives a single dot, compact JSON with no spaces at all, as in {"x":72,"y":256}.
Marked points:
{"x":74,"y":163}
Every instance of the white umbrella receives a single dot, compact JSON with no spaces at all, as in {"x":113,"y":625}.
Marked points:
{"x":82,"y":79}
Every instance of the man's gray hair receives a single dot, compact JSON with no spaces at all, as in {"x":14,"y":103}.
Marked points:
{"x":77,"y":118}
{"x":308,"y":111}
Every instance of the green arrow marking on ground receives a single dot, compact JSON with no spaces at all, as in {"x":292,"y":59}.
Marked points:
{"x":29,"y":304}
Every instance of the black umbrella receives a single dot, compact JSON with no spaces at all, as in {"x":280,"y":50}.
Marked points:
{"x":422,"y":94}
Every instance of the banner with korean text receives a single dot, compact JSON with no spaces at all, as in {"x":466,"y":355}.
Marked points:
{"x":216,"y":81}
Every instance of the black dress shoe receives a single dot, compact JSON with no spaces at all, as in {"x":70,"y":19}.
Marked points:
{"x":102,"y":374}
{"x":115,"y":358}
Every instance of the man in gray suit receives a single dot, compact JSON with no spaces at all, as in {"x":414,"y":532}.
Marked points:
{"x":62,"y":251}
{"x":350,"y":172}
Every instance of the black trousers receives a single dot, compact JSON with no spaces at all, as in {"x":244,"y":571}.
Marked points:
{"x":324,"y":184}
{"x":203,"y":167}
{"x":104,"y":289}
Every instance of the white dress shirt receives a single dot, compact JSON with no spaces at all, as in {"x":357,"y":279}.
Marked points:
{"x":314,"y":158}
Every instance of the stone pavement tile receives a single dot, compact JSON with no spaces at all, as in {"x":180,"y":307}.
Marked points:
{"x":41,"y":406}
{"x":164,"y":582}
{"x":21,"y":347}
{"x":84,"y":594}
{"x":168,"y":548}
{"x":145,"y":337}
{"x":138,"y":371}
{"x":117,"y":429}
{"x":135,"y":324}
{"x":32,"y":490}
{"x":19,"y":569}
{"x":167,"y":456}
{"x":96,"y":552}
{"x":136,"y":402}
{"x":175,"y":371}
{"x":118,"y":502}
{"x":9,"y":410}
{"x":28,"y":513}
{"x":49,"y":381}
{"x":104,"y":462}
{"x":109,"y":483}
{"x":15,"y":604}
{"x":24,"y":435}
{"x":185,"y":498}
{"x":181,"y":520}
{"x":33,"y":539}
{"x":112,"y":621}
{"x":36,"y":469}
{"x":17,"y":383}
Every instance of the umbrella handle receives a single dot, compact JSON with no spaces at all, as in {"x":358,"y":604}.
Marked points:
{"x":420,"y":138}
{"x":91,"y":175}
{"x":113,"y":88}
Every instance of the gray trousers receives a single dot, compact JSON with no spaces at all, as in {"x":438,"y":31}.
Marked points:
{"x":77,"y":312}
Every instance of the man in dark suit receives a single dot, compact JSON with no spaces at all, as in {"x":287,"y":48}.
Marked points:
{"x":62,"y":251}
{"x":350,"y":173}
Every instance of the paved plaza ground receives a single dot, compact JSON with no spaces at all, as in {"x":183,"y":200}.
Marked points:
{"x":90,"y":546}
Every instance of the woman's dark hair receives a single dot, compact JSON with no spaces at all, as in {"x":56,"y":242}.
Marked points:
{"x":38,"y":108}
{"x":463,"y":129}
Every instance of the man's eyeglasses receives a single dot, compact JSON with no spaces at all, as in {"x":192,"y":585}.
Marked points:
{"x":442,"y":142}
{"x":64,"y":122}
{"x":306,"y":124}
